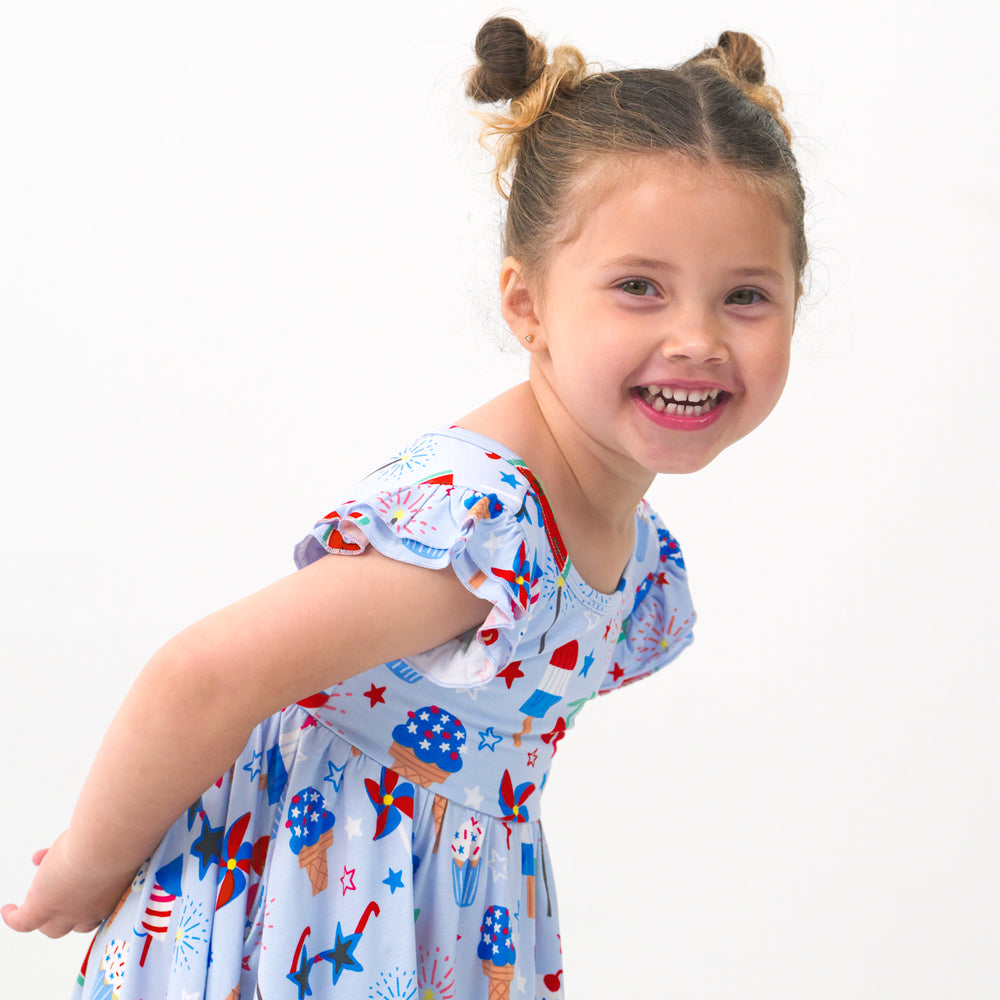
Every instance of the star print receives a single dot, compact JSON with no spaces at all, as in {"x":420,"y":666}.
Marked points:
{"x":206,"y":847}
{"x":498,"y":863}
{"x":253,"y":768}
{"x":532,"y":757}
{"x":492,"y":544}
{"x":374,"y":695}
{"x":341,"y":955}
{"x":588,"y":662}
{"x":521,"y":981}
{"x":347,"y":880}
{"x":331,"y":777}
{"x":511,"y":672}
{"x":353,"y":827}
{"x":617,"y":673}
{"x":301,"y":977}
{"x":474,"y":797}
{"x":488,"y":740}
{"x":510,"y":479}
{"x":394,"y":881}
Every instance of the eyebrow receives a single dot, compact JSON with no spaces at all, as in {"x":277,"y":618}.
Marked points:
{"x":652,"y":264}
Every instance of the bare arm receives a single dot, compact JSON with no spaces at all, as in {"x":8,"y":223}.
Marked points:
{"x":191,"y":710}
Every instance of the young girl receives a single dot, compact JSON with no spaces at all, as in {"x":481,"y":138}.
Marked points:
{"x":382,"y":837}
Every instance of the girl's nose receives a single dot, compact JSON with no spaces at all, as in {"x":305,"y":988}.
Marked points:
{"x":696,"y":340}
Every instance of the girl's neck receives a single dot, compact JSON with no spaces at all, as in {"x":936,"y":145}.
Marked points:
{"x":594,"y":508}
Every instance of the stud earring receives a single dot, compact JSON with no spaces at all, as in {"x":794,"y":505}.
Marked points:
{"x":529,"y":338}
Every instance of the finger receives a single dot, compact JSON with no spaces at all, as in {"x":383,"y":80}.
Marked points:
{"x":38,"y":856}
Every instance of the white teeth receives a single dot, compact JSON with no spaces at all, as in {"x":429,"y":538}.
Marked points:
{"x":663,"y":399}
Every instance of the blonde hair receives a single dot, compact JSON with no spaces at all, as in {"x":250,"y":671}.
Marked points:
{"x":562,"y":116}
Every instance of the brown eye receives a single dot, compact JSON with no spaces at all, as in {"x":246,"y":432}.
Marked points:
{"x":745,"y":297}
{"x":637,"y":286}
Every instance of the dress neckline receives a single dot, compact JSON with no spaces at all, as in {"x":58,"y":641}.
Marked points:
{"x":564,"y":562}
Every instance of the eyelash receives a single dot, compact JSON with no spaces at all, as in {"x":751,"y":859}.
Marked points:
{"x":648,"y":285}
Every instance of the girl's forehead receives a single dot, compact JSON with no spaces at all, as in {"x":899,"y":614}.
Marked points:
{"x":657,"y":193}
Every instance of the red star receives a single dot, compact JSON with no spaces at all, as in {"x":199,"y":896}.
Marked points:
{"x":617,"y":673}
{"x":511,"y":672}
{"x":532,"y":757}
{"x":661,"y":579}
{"x":607,"y":630}
{"x":374,"y":695}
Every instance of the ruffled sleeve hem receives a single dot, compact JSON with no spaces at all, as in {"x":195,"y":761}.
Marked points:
{"x":661,"y":623}
{"x":437,"y":525}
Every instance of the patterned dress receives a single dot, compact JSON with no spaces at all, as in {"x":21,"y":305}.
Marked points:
{"x":381,"y":839}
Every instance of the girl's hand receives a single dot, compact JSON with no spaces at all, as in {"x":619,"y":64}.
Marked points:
{"x":65,"y":895}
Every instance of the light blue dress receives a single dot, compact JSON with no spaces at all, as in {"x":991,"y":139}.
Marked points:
{"x":381,"y":839}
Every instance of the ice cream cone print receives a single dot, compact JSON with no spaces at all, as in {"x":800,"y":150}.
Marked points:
{"x":499,"y":977}
{"x":313,"y":860}
{"x":465,"y":848}
{"x":408,"y":765}
{"x":496,"y":950}
{"x":440,"y":805}
{"x":427,"y":748}
{"x":311,"y":825}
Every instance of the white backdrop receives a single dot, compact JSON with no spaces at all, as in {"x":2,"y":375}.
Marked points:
{"x":247,"y":250}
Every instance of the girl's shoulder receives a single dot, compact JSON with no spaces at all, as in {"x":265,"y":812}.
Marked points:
{"x":457,"y":458}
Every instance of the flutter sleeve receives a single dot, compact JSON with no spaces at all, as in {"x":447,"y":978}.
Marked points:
{"x":437,"y":524}
{"x":660,"y":625}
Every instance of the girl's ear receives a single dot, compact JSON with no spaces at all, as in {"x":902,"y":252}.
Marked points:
{"x":519,"y":305}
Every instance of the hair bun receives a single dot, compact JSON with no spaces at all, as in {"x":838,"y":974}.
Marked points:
{"x":743,"y":56}
{"x":510,"y":61}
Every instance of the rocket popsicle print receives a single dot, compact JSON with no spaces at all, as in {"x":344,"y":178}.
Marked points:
{"x":552,"y":686}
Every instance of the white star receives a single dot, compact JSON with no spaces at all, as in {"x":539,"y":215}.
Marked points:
{"x":411,"y":728}
{"x":445,"y":717}
{"x":499,"y":864}
{"x":353,"y":827}
{"x":314,"y":796}
{"x":492,"y":543}
{"x":424,"y":716}
{"x":474,"y":797}
{"x":520,"y":983}
{"x":437,"y":728}
{"x":425,"y":744}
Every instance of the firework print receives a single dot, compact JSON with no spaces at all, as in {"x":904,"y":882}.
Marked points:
{"x":381,"y":838}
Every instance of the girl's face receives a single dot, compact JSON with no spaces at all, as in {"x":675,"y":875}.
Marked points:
{"x":662,"y":330}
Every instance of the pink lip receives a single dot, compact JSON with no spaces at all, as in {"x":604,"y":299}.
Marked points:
{"x":676,"y":421}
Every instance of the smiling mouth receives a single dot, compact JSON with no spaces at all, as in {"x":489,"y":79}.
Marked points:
{"x":682,"y":402}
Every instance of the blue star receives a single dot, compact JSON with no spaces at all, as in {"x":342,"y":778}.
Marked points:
{"x":253,"y":768}
{"x":588,"y":662}
{"x":341,"y":955}
{"x":510,"y":479}
{"x":488,"y":740}
{"x":207,"y":847}
{"x":331,"y":777}
{"x":301,"y":976}
{"x":394,"y":881}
